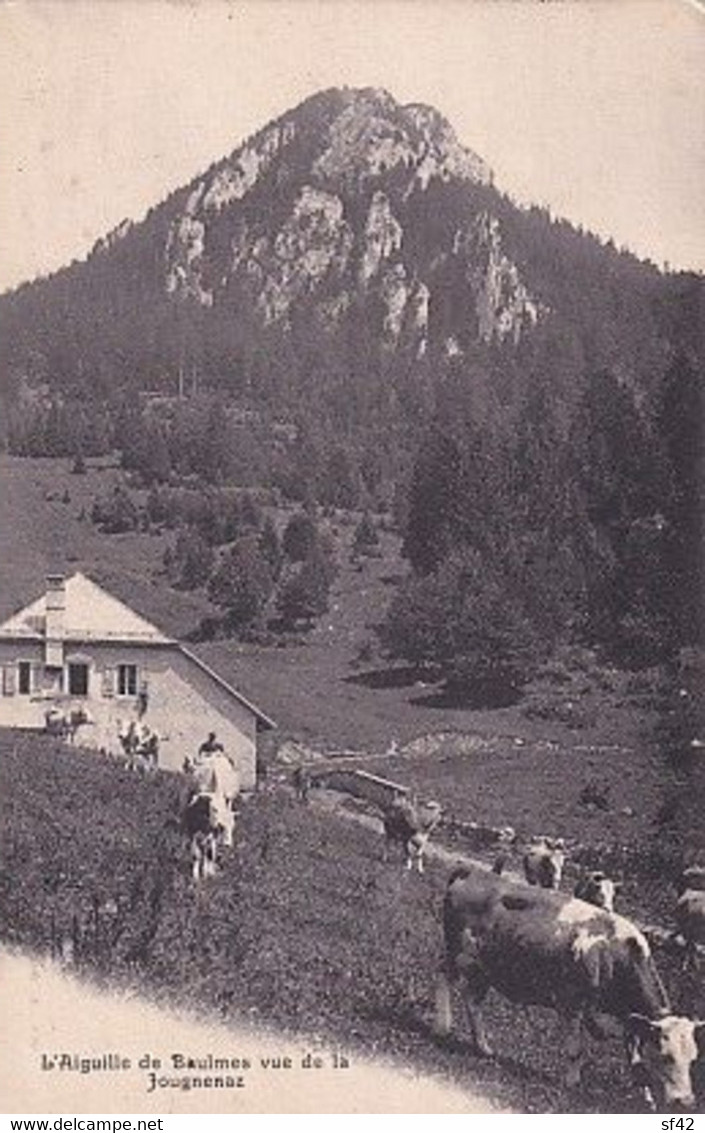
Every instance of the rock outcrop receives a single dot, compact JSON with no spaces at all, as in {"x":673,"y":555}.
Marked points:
{"x":317,"y":209}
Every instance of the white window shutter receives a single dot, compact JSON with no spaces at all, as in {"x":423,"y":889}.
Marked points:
{"x":143,"y":682}
{"x":108,"y":684}
{"x":35,"y":676}
{"x":8,"y":680}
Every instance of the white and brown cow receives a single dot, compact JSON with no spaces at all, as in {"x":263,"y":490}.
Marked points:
{"x":215,"y":774}
{"x":302,"y":781}
{"x":63,"y":723}
{"x":140,"y":744}
{"x":598,"y":889}
{"x":207,"y":820}
{"x":690,"y":912}
{"x":410,"y":825}
{"x":540,"y":947}
{"x":543,"y":862}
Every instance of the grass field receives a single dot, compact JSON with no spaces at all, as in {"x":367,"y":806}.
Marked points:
{"x":305,"y":929}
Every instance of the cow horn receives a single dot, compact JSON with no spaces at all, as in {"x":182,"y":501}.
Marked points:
{"x":641,"y":1021}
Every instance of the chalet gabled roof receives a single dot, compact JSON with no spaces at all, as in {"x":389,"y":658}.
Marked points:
{"x":264,"y":722}
{"x":90,"y":614}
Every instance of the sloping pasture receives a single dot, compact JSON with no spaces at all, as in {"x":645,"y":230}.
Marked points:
{"x":304,"y":929}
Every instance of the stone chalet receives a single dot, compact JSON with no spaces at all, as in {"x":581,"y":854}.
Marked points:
{"x":78,"y":647}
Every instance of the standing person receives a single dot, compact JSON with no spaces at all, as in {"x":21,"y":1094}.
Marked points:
{"x":148,"y":746}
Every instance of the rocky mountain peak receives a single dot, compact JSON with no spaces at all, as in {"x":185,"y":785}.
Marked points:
{"x":373,"y":134}
{"x":317,"y":209}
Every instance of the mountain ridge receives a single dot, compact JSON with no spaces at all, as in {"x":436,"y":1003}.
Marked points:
{"x":349,"y":215}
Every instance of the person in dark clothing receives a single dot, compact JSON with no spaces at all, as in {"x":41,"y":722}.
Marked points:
{"x":211,"y":745}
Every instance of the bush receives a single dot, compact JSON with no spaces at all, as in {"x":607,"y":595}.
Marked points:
{"x":270,"y":547}
{"x":643,"y":640}
{"x":144,"y":450}
{"x":242,"y":583}
{"x":558,"y":710}
{"x":366,"y":540}
{"x":462,"y":618}
{"x":191,"y":560}
{"x":115,"y":514}
{"x":300,"y":537}
{"x":304,"y":596}
{"x":555,"y":672}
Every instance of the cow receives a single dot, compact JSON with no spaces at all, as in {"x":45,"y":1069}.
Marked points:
{"x":127,"y":737}
{"x":543,"y":862}
{"x":690,"y":912}
{"x":410,"y":824}
{"x":539,"y":947}
{"x":598,"y":889}
{"x":207,"y":819}
{"x":302,"y":783}
{"x":64,"y":723}
{"x":140,"y":745}
{"x":147,"y":747}
{"x":215,"y":775}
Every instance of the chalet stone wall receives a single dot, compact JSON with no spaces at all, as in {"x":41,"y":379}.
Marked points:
{"x":183,"y":703}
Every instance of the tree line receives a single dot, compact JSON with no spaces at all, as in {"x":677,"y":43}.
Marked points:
{"x":593,"y":535}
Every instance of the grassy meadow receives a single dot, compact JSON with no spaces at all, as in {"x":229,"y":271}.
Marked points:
{"x":304,"y":928}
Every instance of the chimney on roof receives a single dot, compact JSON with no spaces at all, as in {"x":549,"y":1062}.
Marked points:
{"x":55,"y":620}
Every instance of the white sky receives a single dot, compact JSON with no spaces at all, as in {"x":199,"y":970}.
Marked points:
{"x":594,"y":107}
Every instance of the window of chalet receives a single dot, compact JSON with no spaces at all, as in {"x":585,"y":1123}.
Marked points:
{"x":9,"y":682}
{"x":24,"y":677}
{"x":127,"y":680}
{"x":78,"y":678}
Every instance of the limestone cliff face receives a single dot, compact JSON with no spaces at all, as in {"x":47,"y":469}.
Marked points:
{"x":326,"y":208}
{"x":233,"y":181}
{"x":314,"y":241}
{"x":373,"y":135}
{"x":443,"y":156}
{"x":503,"y":305}
{"x":382,"y":237}
{"x":185,"y":254}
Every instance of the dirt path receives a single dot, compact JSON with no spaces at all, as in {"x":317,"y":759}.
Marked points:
{"x":657,"y":934}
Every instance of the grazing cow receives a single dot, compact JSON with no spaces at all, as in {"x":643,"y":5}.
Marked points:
{"x":207,"y":819}
{"x":548,"y":949}
{"x":147,"y":746}
{"x":216,"y":775}
{"x":410,"y":825}
{"x":140,"y":745}
{"x":302,"y":781}
{"x":690,"y":912}
{"x":597,"y":889}
{"x":543,"y":862}
{"x":127,"y":735}
{"x":477,"y":836}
